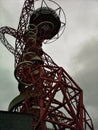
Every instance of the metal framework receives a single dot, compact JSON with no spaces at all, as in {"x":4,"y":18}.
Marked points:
{"x":47,"y":92}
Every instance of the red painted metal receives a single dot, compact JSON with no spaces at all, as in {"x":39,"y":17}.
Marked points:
{"x":46,"y":90}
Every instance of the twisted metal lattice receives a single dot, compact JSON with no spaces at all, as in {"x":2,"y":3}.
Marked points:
{"x":47,"y":91}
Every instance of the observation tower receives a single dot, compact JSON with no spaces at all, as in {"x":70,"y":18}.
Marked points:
{"x":47,"y":91}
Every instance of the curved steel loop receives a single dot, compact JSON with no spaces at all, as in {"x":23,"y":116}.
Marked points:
{"x":27,"y":9}
{"x":24,"y":80}
{"x":11,"y":31}
{"x":25,"y":14}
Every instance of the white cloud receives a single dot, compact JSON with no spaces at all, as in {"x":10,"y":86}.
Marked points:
{"x":87,"y":76}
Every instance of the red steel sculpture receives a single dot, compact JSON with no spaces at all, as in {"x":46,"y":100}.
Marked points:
{"x":46,"y":90}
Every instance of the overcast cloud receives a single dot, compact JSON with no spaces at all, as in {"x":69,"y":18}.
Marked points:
{"x":76,"y":50}
{"x":85,"y":65}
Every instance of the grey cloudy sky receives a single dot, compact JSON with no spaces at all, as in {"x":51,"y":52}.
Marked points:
{"x":76,"y":50}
